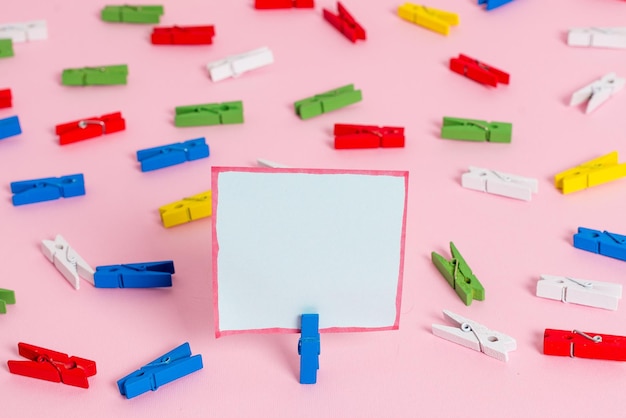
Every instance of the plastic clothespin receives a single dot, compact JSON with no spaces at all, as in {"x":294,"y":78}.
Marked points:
{"x":284,"y":4}
{"x":581,"y":292}
{"x":35,"y":30}
{"x":138,"y":275}
{"x":430,"y":18}
{"x":473,"y":335}
{"x":345,"y":23}
{"x":590,"y":173}
{"x":106,"y":75}
{"x":270,"y":164}
{"x":598,"y":92}
{"x":6,"y":98}
{"x":604,"y":243}
{"x":476,"y":130}
{"x":53,"y":366}
{"x":90,"y":127}
{"x":183,"y":35}
{"x":132,"y":14}
{"x":7,"y":297}
{"x":169,"y":367}
{"x":327,"y":101}
{"x":236,"y":65}
{"x":67,"y":261}
{"x":186,"y":210}
{"x":309,"y":348}
{"x":366,"y":136}
{"x":209,"y":114}
{"x":6,"y":48}
{"x":493,"y":4}
{"x":50,"y":188}
{"x":499,"y":183}
{"x":459,"y":275}
{"x":584,"y":345}
{"x":172,"y":154}
{"x":597,"y":37}
{"x":10,"y":127}
{"x":478,"y":71}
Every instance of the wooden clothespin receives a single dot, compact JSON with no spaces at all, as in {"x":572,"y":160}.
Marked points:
{"x":581,"y":292}
{"x":459,"y":275}
{"x":590,"y":173}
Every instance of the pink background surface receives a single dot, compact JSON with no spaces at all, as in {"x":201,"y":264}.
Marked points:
{"x":402,"y":70}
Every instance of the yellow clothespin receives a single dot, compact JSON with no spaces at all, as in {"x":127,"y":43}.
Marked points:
{"x":186,"y":210}
{"x":591,"y":173}
{"x":434,"y":19}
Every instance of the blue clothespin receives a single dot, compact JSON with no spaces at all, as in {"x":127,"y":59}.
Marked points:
{"x":604,"y":243}
{"x":138,"y":275}
{"x":492,"y":4}
{"x":170,"y":366}
{"x":50,"y":188}
{"x":309,"y":348}
{"x":10,"y":127}
{"x":172,"y":154}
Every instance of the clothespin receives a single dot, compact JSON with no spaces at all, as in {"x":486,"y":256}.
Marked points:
{"x":581,"y":292}
{"x":493,"y":4}
{"x":284,"y":4}
{"x":476,"y":336}
{"x":270,"y":164}
{"x":137,"y":275}
{"x":309,"y":348}
{"x":597,"y":37}
{"x":183,"y":35}
{"x":584,"y":345}
{"x":478,"y":71}
{"x":327,"y":101}
{"x":476,"y":130}
{"x":53,"y":366}
{"x":590,"y":173}
{"x":597,"y":92}
{"x":186,"y":210}
{"x":7,"y":297}
{"x":69,"y":263}
{"x":172,"y":154}
{"x":90,"y":127}
{"x":132,"y":14}
{"x":459,"y":275}
{"x":169,"y":367}
{"x":209,"y":114}
{"x":10,"y":127}
{"x":499,"y":183}
{"x":49,"y":188}
{"x":35,"y":30}
{"x":6,"y":48}
{"x":107,"y":75}
{"x":345,"y":23}
{"x":6,"y":99}
{"x":604,"y":243}
{"x":236,"y":65}
{"x":365,"y":136}
{"x":430,"y":18}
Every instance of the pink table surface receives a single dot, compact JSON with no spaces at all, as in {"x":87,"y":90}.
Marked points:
{"x":402,"y":70}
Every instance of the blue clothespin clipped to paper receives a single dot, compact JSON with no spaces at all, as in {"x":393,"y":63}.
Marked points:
{"x":138,"y":275}
{"x":169,"y":367}
{"x":493,"y":4}
{"x":604,"y":243}
{"x":10,"y":127}
{"x":172,"y":154}
{"x":309,"y":348}
{"x":50,"y":188}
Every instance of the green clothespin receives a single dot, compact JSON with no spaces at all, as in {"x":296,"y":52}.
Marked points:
{"x":7,"y":297}
{"x":132,"y":14}
{"x":459,"y":276}
{"x":209,"y":114}
{"x":6,"y":48}
{"x":327,"y":102}
{"x":476,"y":130}
{"x":95,"y":76}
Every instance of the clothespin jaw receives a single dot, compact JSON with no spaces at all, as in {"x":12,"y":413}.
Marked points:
{"x":172,"y":154}
{"x":186,"y":210}
{"x":169,"y":367}
{"x":367,"y":136}
{"x":138,"y":275}
{"x":6,"y":99}
{"x":183,"y":35}
{"x":10,"y":127}
{"x":309,"y":348}
{"x":51,"y":188}
{"x":284,"y":4}
{"x":605,"y":243}
{"x":598,"y":92}
{"x":67,"y":261}
{"x":6,"y":48}
{"x":476,"y":130}
{"x":327,"y":101}
{"x":582,"y":292}
{"x":132,"y":14}
{"x":90,"y":127}
{"x":584,"y":345}
{"x":493,"y":4}
{"x":7,"y":297}
{"x":209,"y":114}
{"x":430,"y":18}
{"x":345,"y":23}
{"x":499,"y":183}
{"x":106,"y":75}
{"x":591,"y":173}
{"x":236,"y":65}
{"x":459,"y":275}
{"x":597,"y":37}
{"x":478,"y":71}
{"x":53,"y":366}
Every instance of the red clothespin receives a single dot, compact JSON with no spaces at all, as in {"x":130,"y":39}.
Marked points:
{"x":183,"y":35}
{"x":52,"y":366}
{"x":584,"y":345}
{"x":90,"y":128}
{"x":478,"y":71}
{"x":364,"y":136}
{"x":284,"y":4}
{"x":6,"y":100}
{"x":345,"y":23}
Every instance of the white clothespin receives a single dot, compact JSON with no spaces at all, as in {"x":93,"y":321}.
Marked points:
{"x":36,"y":30}
{"x":478,"y":337}
{"x":597,"y":92}
{"x":235,"y":65}
{"x":499,"y":183}
{"x":598,"y":37}
{"x":582,"y":292}
{"x":67,"y":261}
{"x":270,"y":164}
